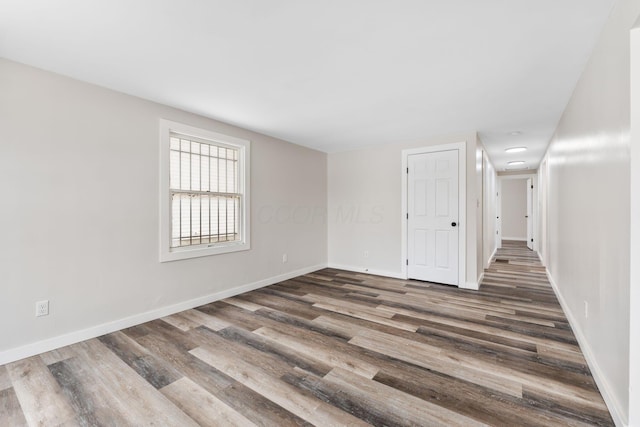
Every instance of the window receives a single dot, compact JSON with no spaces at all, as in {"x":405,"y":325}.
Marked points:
{"x":204,"y":192}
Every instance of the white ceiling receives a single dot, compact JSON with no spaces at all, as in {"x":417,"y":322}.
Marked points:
{"x":329,"y":74}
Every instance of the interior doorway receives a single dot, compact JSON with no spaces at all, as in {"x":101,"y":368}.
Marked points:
{"x":517,"y":201}
{"x":433,"y":217}
{"x":433,"y":200}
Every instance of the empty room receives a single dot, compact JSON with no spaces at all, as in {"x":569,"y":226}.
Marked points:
{"x":284,"y":213}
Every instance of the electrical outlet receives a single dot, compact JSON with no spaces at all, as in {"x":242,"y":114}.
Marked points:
{"x":366,"y":254}
{"x":586,"y":310}
{"x":284,"y":258}
{"x":42,"y":308}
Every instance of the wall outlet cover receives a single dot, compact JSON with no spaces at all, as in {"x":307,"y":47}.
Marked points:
{"x":42,"y":308}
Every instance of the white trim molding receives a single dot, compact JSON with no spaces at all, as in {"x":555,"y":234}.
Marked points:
{"x":534,"y":210}
{"x":617,"y":413}
{"x":634,"y":232}
{"x":462,"y":206}
{"x":467,"y":285}
{"x":474,"y":286}
{"x":39,"y":347}
{"x":493,"y":255}
{"x":365,"y":270}
{"x":470,"y":286}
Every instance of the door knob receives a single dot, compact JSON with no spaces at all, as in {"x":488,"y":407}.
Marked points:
{"x":453,"y":224}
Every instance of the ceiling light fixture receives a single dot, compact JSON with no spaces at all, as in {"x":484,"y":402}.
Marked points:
{"x":516,"y":163}
{"x":515,"y":133}
{"x":516,"y":149}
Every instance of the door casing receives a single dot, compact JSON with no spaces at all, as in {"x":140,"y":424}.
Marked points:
{"x":530,"y":215}
{"x":534,"y":208}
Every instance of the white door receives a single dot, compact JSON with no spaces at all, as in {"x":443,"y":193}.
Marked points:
{"x":433,"y":217}
{"x":529,"y":213}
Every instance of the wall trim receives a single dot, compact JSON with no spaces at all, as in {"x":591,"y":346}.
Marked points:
{"x":601,"y":381}
{"x":634,"y":231}
{"x":493,"y":255}
{"x":534,"y":208}
{"x":49,"y":344}
{"x":467,"y":285}
{"x":473,"y":286}
{"x":366,"y":270}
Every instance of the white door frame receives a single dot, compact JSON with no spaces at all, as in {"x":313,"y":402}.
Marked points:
{"x":634,"y":274}
{"x":462,"y":205}
{"x":530,"y":217}
{"x":498,"y":212}
{"x":534,"y":213}
{"x":542,"y":210}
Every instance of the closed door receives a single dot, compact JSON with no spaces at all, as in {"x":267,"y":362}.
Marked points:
{"x":530,"y":213}
{"x":433,"y":217}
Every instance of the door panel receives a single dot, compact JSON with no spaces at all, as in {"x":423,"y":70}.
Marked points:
{"x":442,"y":197}
{"x":443,"y":257}
{"x":421,"y":255}
{"x":432,"y":208}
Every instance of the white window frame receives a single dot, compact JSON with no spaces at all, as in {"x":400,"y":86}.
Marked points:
{"x":244,"y":155}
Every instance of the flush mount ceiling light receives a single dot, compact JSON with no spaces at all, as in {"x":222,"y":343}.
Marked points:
{"x":515,"y":133}
{"x":516,"y":163}
{"x":516,"y":169}
{"x":516,"y":149}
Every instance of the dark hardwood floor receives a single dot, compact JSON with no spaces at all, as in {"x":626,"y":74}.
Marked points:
{"x":328,"y":348}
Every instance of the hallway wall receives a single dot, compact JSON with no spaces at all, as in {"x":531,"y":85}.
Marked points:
{"x":634,"y":301}
{"x":490,"y":210}
{"x":588,"y":209}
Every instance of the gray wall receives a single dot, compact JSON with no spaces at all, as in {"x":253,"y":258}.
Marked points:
{"x":79,"y":185}
{"x":634,"y":351}
{"x":587,"y":238}
{"x":365,"y":206}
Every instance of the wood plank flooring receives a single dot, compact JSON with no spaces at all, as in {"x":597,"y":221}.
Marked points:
{"x":329,"y":348}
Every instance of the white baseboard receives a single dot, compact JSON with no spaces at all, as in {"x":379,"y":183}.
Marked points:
{"x":495,"y":250}
{"x":517,"y":239}
{"x":367,"y":271}
{"x":468,"y":285}
{"x":49,"y":344}
{"x":474,"y":286}
{"x":618,"y":415}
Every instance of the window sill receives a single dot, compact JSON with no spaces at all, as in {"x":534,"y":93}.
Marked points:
{"x":202,"y":251}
